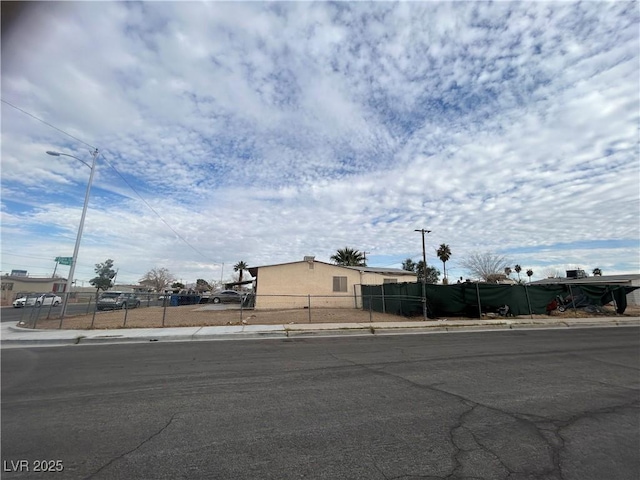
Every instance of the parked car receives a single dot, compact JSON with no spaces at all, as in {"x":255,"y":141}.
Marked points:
{"x":21,"y":302}
{"x":117,"y":300}
{"x":38,"y":300}
{"x":226,"y":296}
{"x":48,"y":299}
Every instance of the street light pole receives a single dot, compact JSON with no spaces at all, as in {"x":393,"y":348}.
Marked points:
{"x":424,"y":273}
{"x":72,"y":270}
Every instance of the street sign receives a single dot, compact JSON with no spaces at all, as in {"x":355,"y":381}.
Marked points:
{"x":64,"y":260}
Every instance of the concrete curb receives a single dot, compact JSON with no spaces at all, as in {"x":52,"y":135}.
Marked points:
{"x":31,"y":338}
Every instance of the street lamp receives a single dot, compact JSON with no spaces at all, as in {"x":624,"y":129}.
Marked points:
{"x":424,"y":273}
{"x":72,"y":270}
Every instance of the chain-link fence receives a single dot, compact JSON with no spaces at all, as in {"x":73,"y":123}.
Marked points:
{"x":367,"y":304}
{"x":86,"y":311}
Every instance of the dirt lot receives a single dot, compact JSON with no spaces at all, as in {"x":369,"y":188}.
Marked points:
{"x":195,"y":315}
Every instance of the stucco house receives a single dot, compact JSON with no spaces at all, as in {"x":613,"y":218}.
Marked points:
{"x":296,"y":284}
{"x":15,"y":285}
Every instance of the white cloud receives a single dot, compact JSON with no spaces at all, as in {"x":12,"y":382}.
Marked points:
{"x":270,"y":131}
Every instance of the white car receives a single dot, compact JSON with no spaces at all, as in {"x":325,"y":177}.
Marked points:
{"x":46,"y":299}
{"x":20,"y":302}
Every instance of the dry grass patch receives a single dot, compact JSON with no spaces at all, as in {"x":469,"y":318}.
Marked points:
{"x":196,"y":316}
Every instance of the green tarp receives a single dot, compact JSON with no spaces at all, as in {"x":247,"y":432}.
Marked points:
{"x":469,"y":299}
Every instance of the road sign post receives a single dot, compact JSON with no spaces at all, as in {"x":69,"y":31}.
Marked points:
{"x":64,"y":260}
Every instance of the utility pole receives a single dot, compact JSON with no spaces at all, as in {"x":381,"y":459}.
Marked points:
{"x":74,"y":259}
{"x":365,"y":257}
{"x":424,"y":273}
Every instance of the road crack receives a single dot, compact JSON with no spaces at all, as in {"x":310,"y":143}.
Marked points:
{"x":147,"y":440}
{"x":548,"y":430}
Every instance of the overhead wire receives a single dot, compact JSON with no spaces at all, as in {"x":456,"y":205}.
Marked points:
{"x":46,"y":123}
{"x":156,"y":213}
{"x":119,"y":174}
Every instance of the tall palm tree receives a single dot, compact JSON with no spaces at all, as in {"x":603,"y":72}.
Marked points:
{"x":529,"y":273}
{"x":240,"y":267}
{"x":444,"y":254}
{"x":518,"y":269}
{"x":349,"y":257}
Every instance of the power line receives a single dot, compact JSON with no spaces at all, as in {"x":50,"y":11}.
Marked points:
{"x":403,"y":258}
{"x":156,"y":213}
{"x":27,"y":256}
{"x":119,"y":174}
{"x":47,"y":123}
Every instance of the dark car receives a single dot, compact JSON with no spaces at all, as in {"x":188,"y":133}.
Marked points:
{"x":117,"y":300}
{"x":226,"y":296}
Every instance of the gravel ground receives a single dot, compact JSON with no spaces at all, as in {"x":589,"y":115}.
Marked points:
{"x":199,"y":315}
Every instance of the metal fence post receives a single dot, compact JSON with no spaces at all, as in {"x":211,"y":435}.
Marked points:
{"x":370,"y":308}
{"x":309,"y":306}
{"x":50,"y":308}
{"x":62,"y":313}
{"x":573,"y":302}
{"x":613,"y":299}
{"x":384,"y":307}
{"x":526,"y":291}
{"x":479,"y":303}
{"x":126,"y":311}
{"x":33,"y":314}
{"x":93,"y":318}
{"x":164,"y":309}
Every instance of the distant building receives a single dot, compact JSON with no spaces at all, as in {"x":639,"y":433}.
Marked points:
{"x":14,"y":286}
{"x":578,"y":277}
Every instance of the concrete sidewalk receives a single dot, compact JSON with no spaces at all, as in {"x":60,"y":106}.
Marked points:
{"x":14,"y":336}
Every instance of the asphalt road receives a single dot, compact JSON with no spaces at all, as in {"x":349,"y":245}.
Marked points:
{"x":544,"y":404}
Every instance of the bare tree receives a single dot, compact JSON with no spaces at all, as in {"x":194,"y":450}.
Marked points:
{"x":484,"y":265}
{"x":157,"y":278}
{"x":551,"y":272}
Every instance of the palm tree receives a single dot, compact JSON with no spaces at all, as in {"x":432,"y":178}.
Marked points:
{"x":349,"y":257}
{"x":518,"y":269}
{"x":597,"y":272}
{"x":529,"y":273}
{"x":239,"y":267}
{"x":444,"y":254}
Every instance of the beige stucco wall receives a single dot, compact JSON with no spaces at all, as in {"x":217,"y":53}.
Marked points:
{"x":289,"y":285}
{"x":12,"y":286}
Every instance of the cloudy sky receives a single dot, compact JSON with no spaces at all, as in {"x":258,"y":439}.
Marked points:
{"x":265,"y":132}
